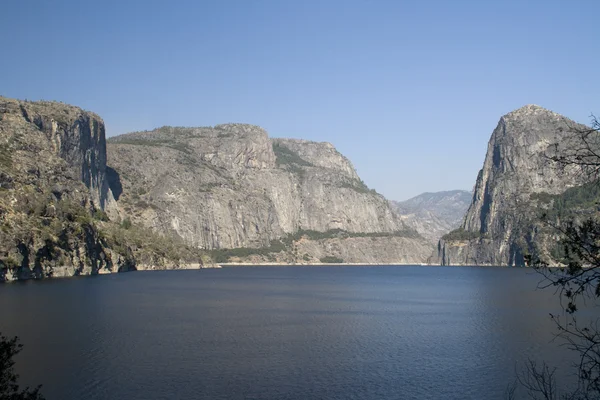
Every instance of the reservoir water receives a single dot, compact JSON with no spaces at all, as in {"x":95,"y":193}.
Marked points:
{"x":281,"y":333}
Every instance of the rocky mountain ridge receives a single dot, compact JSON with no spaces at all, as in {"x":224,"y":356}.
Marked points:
{"x":53,"y":176}
{"x":179,"y":198}
{"x":72,"y":203}
{"x":56,"y":198}
{"x":502,"y":223}
{"x":434,"y":214}
{"x":232,"y":187}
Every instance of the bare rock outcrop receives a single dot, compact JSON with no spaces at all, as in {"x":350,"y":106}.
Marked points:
{"x":434,"y":214}
{"x":75,"y":135}
{"x":56,"y":197}
{"x":501,"y":224}
{"x":231,"y":186}
{"x":53,"y":179}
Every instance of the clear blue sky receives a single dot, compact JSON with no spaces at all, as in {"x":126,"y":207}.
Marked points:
{"x":410,"y":91}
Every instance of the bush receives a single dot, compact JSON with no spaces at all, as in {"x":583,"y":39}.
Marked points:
{"x":331,"y":260}
{"x":100,"y":215}
{"x":71,"y":210}
{"x":5,"y":157}
{"x":9,"y":389}
{"x":146,"y":246}
{"x":285,"y":156}
{"x":342,"y":234}
{"x":580,"y":197}
{"x":9,"y":263}
{"x":223,"y":255}
{"x":542,"y":197}
{"x":461,"y":234}
{"x":358,"y":185}
{"x":126,"y":224}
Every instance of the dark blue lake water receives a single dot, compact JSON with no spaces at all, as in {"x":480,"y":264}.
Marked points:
{"x":281,"y":333}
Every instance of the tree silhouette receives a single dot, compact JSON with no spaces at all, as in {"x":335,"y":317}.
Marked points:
{"x":578,"y":280}
{"x":9,"y":388}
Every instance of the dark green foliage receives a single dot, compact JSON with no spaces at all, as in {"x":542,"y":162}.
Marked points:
{"x":290,"y":160}
{"x":5,"y":157}
{"x":573,"y":216}
{"x":542,"y":197}
{"x":540,"y":216}
{"x":586,"y":196}
{"x":226,"y":135}
{"x":573,"y":200}
{"x":286,"y":243}
{"x":8,"y":262}
{"x":146,"y":246}
{"x":579,"y":251}
{"x":32,"y":203}
{"x":575,"y":204}
{"x":223,"y":255}
{"x":66,"y":224}
{"x":71,"y":211}
{"x":100,"y":215}
{"x":331,"y":260}
{"x":578,"y":284}
{"x":184,"y":148}
{"x":461,"y":234}
{"x":285,"y":156}
{"x":359,"y":186}
{"x":126,"y":224}
{"x":557,"y":252}
{"x":296,"y":170}
{"x":339,"y":233}
{"x":314,"y":235}
{"x":277,"y":246}
{"x":9,"y":388}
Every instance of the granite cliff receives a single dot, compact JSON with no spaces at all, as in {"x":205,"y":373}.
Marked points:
{"x":53,"y":175}
{"x":517,"y":184}
{"x":56,"y":196}
{"x":244,"y":196}
{"x":434,"y":214}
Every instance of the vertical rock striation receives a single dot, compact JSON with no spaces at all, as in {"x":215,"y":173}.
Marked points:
{"x":231,"y":186}
{"x":52,"y":180}
{"x":75,"y":135}
{"x":499,"y":226}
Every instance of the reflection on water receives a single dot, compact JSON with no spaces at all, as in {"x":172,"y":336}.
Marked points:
{"x":281,"y":333}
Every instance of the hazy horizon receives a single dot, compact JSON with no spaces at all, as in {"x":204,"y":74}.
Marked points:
{"x":409,"y":92}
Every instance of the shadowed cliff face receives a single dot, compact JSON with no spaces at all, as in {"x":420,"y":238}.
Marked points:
{"x":76,"y":136}
{"x":52,"y":173}
{"x":54,"y":190}
{"x":500,"y":220}
{"x":232,"y":186}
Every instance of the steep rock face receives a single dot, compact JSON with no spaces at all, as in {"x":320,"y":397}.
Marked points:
{"x":55,"y":193}
{"x":434,"y":214}
{"x":232,"y":187}
{"x":52,"y":177}
{"x":75,"y":135}
{"x":320,"y":154}
{"x":499,"y":226}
